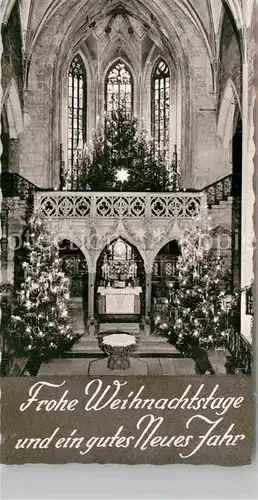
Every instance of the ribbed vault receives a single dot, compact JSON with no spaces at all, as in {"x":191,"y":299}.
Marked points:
{"x":203,"y":14}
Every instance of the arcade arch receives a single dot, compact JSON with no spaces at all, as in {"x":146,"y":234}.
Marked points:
{"x":120,"y":282}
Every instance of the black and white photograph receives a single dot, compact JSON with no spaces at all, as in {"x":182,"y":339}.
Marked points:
{"x":127,"y":199}
{"x":127,"y":170}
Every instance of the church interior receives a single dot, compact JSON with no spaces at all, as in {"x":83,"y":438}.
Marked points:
{"x":182,"y":72}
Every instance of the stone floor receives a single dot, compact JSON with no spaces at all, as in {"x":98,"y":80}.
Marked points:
{"x":139,"y":366}
{"x":153,"y":356}
{"x":145,"y":345}
{"x":145,"y":365}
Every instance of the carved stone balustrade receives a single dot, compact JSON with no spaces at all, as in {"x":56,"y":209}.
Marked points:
{"x":119,"y":205}
{"x":92,"y":219}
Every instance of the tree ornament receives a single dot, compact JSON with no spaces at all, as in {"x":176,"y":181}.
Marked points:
{"x":37,"y":321}
{"x":198,"y":302}
{"x":121,"y":158}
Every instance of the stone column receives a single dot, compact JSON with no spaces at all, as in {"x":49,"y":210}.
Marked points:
{"x":9,"y":271}
{"x":91,"y":305}
{"x":146,"y":320}
{"x":147,"y":294}
{"x":14,"y":155}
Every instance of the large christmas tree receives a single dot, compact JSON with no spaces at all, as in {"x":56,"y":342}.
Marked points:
{"x":40,"y":324}
{"x":201,"y":316}
{"x":121,"y":145}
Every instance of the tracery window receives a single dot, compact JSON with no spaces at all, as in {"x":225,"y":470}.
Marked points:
{"x":165,"y":264}
{"x":74,"y":266}
{"x":76,"y":116}
{"x":119,"y":88}
{"x":119,"y":263}
{"x":161,"y":107}
{"x":119,"y":250}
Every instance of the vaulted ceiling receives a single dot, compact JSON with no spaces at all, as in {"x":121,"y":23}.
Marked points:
{"x":205,"y":15}
{"x":178,"y":28}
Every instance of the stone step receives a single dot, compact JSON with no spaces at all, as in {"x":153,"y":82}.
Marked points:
{"x":218,"y":361}
{"x":122,"y":327}
{"x":153,"y":339}
{"x":139,"y":366}
{"x":86,"y":345}
{"x":144,"y":345}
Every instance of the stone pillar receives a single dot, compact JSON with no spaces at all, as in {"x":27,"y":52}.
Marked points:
{"x":8,"y":275}
{"x":91,"y":303}
{"x":147,"y":294}
{"x":14,"y":155}
{"x":146,"y":319}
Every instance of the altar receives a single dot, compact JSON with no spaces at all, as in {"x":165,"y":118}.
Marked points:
{"x":119,"y":301}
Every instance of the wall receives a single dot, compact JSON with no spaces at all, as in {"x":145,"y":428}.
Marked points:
{"x":248,"y":197}
{"x":12,"y":88}
{"x":12,"y":60}
{"x":202,"y":155}
{"x":230,"y":59}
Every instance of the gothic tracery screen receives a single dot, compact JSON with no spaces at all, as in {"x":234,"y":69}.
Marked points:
{"x":76,"y":115}
{"x":160,"y":107}
{"x":118,"y":88}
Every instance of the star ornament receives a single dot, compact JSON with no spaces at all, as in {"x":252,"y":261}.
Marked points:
{"x":122,"y":175}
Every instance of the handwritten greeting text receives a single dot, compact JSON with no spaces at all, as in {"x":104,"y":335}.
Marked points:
{"x":149,"y":428}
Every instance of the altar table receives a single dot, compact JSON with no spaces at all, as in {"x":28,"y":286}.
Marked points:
{"x":119,"y":300}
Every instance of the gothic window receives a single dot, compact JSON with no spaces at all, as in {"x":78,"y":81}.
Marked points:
{"x":160,"y":107}
{"x":156,"y":271}
{"x":119,"y":88}
{"x":119,"y":250}
{"x":170,"y":268}
{"x":76,"y":116}
{"x":74,"y":266}
{"x":165,"y":264}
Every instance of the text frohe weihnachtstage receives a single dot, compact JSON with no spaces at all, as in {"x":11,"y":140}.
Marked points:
{"x":148,"y":431}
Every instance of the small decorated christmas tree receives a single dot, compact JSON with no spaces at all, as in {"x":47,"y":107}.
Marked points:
{"x":40,"y":326}
{"x":201,"y":316}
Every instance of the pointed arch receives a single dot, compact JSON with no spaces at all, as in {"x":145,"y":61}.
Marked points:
{"x":119,"y":48}
{"x":119,"y":265}
{"x":12,"y":104}
{"x":121,"y":249}
{"x":230,"y":102}
{"x":236,"y":11}
{"x":164,"y":264}
{"x":77,"y":115}
{"x":119,"y":87}
{"x":160,"y":106}
{"x":75,"y":267}
{"x":109,"y":239}
{"x":175,"y":233}
{"x":64,"y":234}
